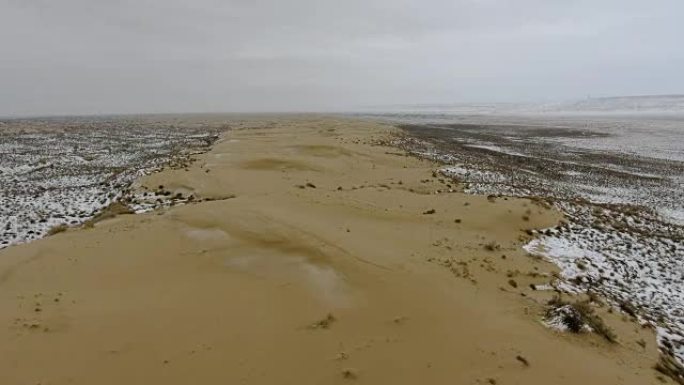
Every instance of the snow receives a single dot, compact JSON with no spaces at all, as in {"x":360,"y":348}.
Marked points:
{"x":66,"y":176}
{"x":619,"y":182}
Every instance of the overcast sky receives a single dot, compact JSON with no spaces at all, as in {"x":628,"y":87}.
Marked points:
{"x":119,"y":56}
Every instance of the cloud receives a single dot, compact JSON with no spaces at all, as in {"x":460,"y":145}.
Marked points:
{"x":96,"y":56}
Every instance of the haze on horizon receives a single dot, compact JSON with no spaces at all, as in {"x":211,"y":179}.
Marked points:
{"x":138,"y":56}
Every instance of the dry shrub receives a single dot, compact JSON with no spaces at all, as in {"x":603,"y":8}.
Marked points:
{"x":324,"y":323}
{"x":492,"y":246}
{"x":582,"y":314}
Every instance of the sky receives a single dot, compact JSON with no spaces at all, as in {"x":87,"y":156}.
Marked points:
{"x":150,"y":56}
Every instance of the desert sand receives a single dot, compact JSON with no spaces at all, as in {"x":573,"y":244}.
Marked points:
{"x":314,"y":253}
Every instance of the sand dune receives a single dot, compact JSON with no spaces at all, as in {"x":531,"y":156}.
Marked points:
{"x":314,"y":254}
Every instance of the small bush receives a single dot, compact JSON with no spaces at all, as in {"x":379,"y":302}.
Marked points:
{"x":350,"y":374}
{"x":325,"y":323}
{"x":594,"y":321}
{"x":492,"y":246}
{"x":578,"y":316}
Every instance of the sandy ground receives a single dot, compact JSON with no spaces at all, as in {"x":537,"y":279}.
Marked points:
{"x":273,"y":281}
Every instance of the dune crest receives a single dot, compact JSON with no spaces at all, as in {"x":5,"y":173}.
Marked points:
{"x":336,"y":259}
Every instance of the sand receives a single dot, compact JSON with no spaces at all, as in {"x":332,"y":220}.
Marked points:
{"x":314,"y":254}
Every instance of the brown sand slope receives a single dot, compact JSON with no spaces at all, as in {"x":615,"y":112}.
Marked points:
{"x":341,"y":280}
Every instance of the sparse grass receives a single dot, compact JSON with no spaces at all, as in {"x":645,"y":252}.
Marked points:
{"x":595,"y":298}
{"x":669,"y":367}
{"x":629,"y":309}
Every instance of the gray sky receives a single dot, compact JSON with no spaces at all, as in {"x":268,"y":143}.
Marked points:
{"x":118,"y":56}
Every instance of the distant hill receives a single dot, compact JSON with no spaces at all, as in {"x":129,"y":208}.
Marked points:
{"x":648,"y":104}
{"x":627,"y":104}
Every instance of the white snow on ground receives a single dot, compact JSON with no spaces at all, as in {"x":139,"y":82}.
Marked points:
{"x":624,"y":268}
{"x":672,"y":342}
{"x":492,"y":147}
{"x":623,"y":237}
{"x":472,"y":175}
{"x":564,"y":253}
{"x":672,"y":215}
{"x":66,"y":177}
{"x":572,"y":173}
